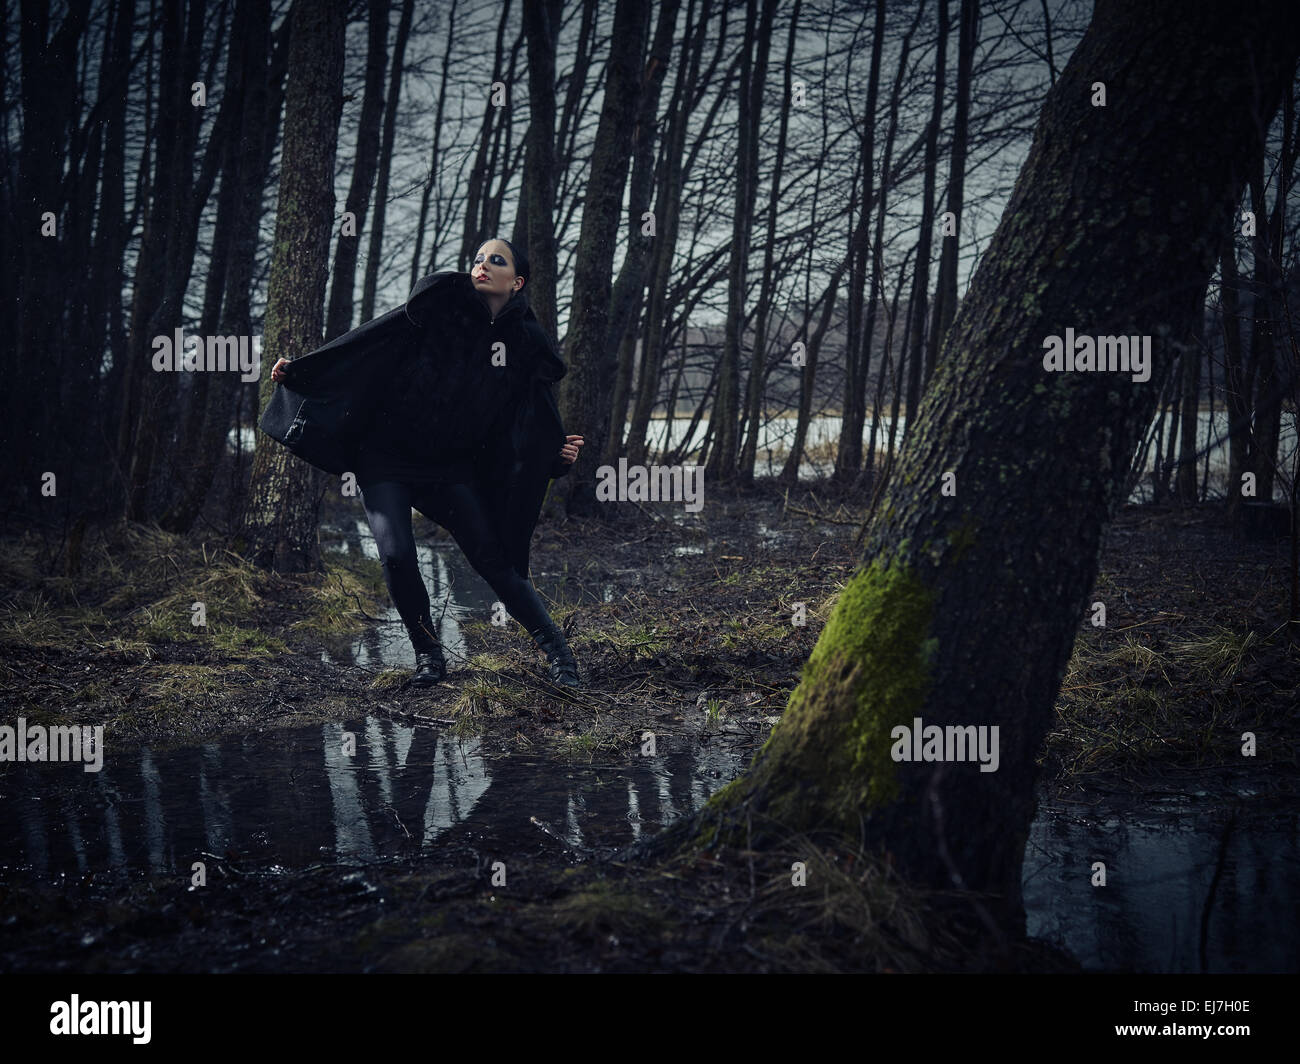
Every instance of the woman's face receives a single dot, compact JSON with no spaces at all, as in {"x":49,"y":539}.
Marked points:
{"x":493,"y":271}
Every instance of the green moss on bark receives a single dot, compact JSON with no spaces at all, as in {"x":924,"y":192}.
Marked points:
{"x":828,"y":760}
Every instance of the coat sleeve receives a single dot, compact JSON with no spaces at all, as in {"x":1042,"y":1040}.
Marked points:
{"x":324,"y":404}
{"x":548,"y":367}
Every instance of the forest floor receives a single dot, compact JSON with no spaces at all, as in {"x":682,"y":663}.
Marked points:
{"x":682,"y":625}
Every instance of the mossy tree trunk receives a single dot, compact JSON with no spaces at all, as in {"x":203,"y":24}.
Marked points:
{"x":965,"y":607}
{"x":280,"y":521}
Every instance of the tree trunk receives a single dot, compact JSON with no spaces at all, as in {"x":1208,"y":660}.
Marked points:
{"x":790,"y":471}
{"x":280,"y":521}
{"x":1185,"y":482}
{"x":916,"y":306}
{"x":877,"y":292}
{"x":1235,"y":395}
{"x":945,"y":295}
{"x":370,"y":286}
{"x":725,"y":417}
{"x":627,"y":299}
{"x":422,"y":228}
{"x":228,"y":307}
{"x":472,"y":230}
{"x":857,"y":362}
{"x":111,"y":236}
{"x":48,"y":100}
{"x":542,"y":25}
{"x":965,"y":607}
{"x":165,"y":261}
{"x":584,"y":397}
{"x":667,"y":211}
{"x":755,"y":386}
{"x":338,"y":319}
{"x":1270,"y":393}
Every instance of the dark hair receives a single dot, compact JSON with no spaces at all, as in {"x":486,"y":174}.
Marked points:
{"x":520,"y":257}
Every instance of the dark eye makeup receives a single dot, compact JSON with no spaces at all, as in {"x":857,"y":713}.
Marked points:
{"x":495,"y":259}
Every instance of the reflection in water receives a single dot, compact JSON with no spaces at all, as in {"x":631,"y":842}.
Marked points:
{"x":295,"y":798}
{"x":456,"y":594}
{"x":1160,"y":864}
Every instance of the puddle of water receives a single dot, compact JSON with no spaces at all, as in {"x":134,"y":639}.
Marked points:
{"x":292,"y":798}
{"x":1160,"y":863}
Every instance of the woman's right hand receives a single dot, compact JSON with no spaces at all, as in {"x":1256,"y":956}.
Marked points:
{"x":278,"y":370}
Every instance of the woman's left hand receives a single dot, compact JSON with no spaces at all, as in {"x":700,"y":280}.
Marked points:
{"x":569,"y":452}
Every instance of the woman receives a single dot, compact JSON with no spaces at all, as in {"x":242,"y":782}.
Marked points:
{"x":445,"y":437}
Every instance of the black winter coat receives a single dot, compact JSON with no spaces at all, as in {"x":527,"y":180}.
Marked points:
{"x":330,"y":397}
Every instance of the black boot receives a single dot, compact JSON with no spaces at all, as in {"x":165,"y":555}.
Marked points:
{"x":430,"y":668}
{"x":563,"y":669}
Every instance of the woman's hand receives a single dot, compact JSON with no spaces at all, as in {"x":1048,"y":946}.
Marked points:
{"x":278,"y":370}
{"x":569,"y":452}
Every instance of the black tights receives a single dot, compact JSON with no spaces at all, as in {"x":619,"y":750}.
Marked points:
{"x":460,"y":509}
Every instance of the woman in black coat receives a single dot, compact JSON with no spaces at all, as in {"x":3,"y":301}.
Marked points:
{"x":434,"y":441}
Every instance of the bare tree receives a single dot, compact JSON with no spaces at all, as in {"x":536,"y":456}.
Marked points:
{"x":279,"y":527}
{"x":585,"y":391}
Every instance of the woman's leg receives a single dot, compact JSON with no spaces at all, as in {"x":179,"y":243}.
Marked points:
{"x":388,"y":509}
{"x":460,"y":509}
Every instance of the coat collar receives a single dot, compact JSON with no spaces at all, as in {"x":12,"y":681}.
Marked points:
{"x":515,"y":306}
{"x":427,"y":288}
{"x":549,"y":366}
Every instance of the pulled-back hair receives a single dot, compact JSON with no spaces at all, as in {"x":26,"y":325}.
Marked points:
{"x":520,"y":257}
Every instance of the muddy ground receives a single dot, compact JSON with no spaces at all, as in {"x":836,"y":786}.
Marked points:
{"x":696,"y":647}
